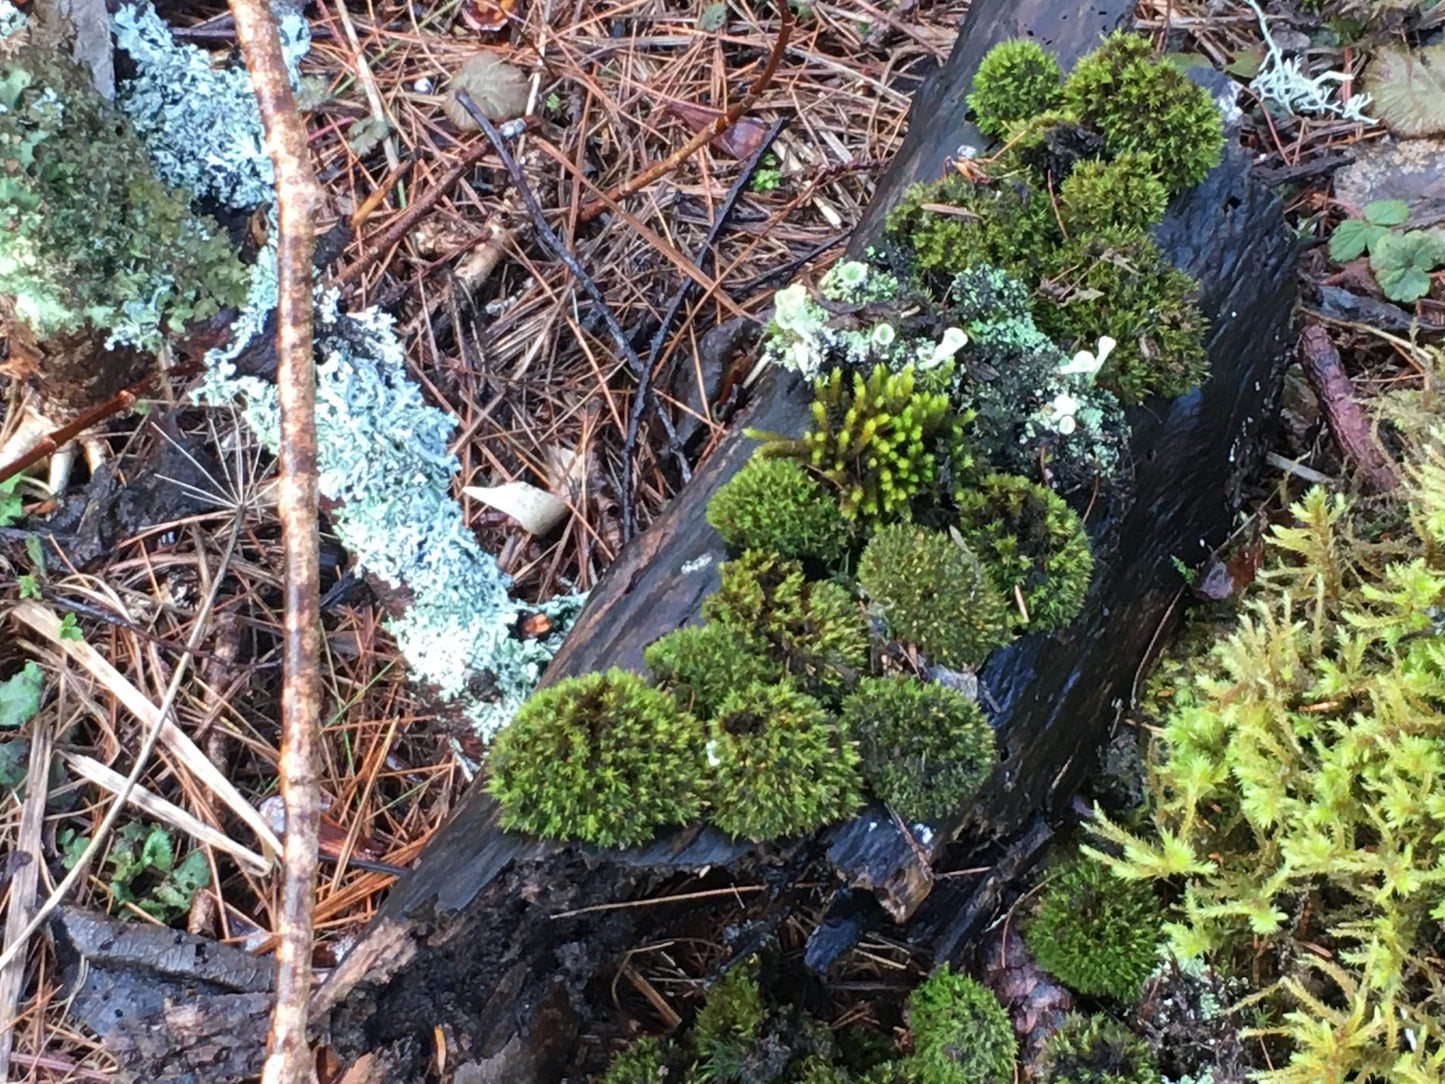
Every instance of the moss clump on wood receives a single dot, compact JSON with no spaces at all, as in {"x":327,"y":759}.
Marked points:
{"x":89,"y":238}
{"x":925,"y":748}
{"x":602,"y":758}
{"x":780,"y":765}
{"x":1096,"y":1049}
{"x":1032,"y":545}
{"x":1096,"y":932}
{"x":775,"y":505}
{"x":961,"y":1034}
{"x":1122,"y":196}
{"x":1015,"y":81}
{"x":933,"y":592}
{"x":701,"y":664}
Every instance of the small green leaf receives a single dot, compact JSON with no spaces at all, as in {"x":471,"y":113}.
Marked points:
{"x":713,"y":17}
{"x":1386,"y":212}
{"x":157,"y":851}
{"x":29,"y":586}
{"x":1407,"y":88}
{"x":1402,"y":263}
{"x":1352,"y":237}
{"x":36,"y":552}
{"x":70,"y":628}
{"x":20,"y":696}
{"x":1246,"y":63}
{"x":10,"y":507}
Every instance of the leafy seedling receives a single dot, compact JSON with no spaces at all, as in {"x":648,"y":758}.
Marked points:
{"x":70,"y":628}
{"x":143,"y":871}
{"x":1354,"y":236}
{"x":20,"y":696}
{"x":1402,"y":263}
{"x":10,"y":508}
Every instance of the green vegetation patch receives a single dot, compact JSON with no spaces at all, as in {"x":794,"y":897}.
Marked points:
{"x":961,"y":1034}
{"x":1096,"y":1049}
{"x":777,"y":506}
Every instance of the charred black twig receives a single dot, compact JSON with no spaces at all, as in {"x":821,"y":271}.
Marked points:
{"x":552,"y":241}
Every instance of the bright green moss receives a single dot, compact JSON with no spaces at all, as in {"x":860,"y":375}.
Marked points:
{"x":1121,"y":196}
{"x":774,"y":505}
{"x":1032,"y":545}
{"x":961,"y":1034}
{"x":1125,"y":289}
{"x":1009,"y":226}
{"x":727,"y":1025}
{"x":1096,"y":1049}
{"x":641,"y":1062}
{"x":780,"y":765}
{"x":934,"y":593}
{"x":701,"y":664}
{"x":815,"y":630}
{"x":1096,"y":932}
{"x":601,"y":758}
{"x":1142,"y":103}
{"x":925,"y":748}
{"x":1015,"y":80}
{"x":88,"y":236}
{"x":879,"y":441}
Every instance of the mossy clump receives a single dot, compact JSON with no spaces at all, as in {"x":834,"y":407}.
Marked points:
{"x":1096,"y":932}
{"x":1015,"y":80}
{"x":89,"y":238}
{"x":879,"y":440}
{"x":701,"y":664}
{"x":813,"y":629}
{"x":780,"y":765}
{"x":933,"y":592}
{"x":726,"y":1028}
{"x":1142,"y":103}
{"x":775,"y":505}
{"x":925,"y":747}
{"x":1032,"y":545}
{"x":1096,"y":1049}
{"x":602,"y":758}
{"x":961,"y":1034}
{"x":643,"y":1061}
{"x":1122,"y":196}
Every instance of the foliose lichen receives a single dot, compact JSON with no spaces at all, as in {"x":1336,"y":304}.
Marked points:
{"x":1096,"y":932}
{"x":961,"y":1034}
{"x":780,"y":765}
{"x":603,"y":758}
{"x":933,"y":592}
{"x":1015,"y":80}
{"x":91,"y":238}
{"x":925,"y":748}
{"x":1096,"y":1049}
{"x":702,"y":664}
{"x":1032,"y":545}
{"x":776,"y":505}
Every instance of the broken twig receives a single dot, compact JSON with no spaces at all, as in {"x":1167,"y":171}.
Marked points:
{"x":1348,"y":424}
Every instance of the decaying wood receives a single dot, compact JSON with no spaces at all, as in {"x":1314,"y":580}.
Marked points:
{"x":1348,"y":424}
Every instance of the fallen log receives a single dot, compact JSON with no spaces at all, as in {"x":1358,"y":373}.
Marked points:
{"x":493,"y":939}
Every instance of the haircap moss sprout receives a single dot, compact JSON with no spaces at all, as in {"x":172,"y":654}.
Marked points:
{"x":780,"y":765}
{"x":1140,"y":102}
{"x":878,"y":440}
{"x":1016,"y":79}
{"x":961,"y":1034}
{"x":1032,"y":545}
{"x":776,"y":505}
{"x":92,"y":238}
{"x":701,"y":664}
{"x":933,"y":592}
{"x":1096,"y":932}
{"x":602,"y":758}
{"x":1096,"y":1049}
{"x":925,"y":748}
{"x":814,"y":629}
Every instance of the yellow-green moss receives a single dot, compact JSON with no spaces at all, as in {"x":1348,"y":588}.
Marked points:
{"x":1096,"y":1049}
{"x":1124,"y":195}
{"x":961,"y":1034}
{"x":775,"y":505}
{"x":1014,"y":81}
{"x":701,"y":664}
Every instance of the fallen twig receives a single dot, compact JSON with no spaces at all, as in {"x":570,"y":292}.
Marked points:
{"x":1348,"y":424}
{"x":709,"y":131}
{"x":288,"y":1059}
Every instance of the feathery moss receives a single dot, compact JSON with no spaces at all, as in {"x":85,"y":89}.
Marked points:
{"x":925,"y":748}
{"x":602,"y":758}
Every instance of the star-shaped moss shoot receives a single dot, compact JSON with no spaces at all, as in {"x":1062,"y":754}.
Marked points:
{"x":780,"y":765}
{"x":1015,"y":80}
{"x":776,"y":505}
{"x":925,"y":747}
{"x":934,"y":593}
{"x":1096,"y":932}
{"x":1031,"y":544}
{"x":701,"y":664}
{"x":961,"y":1034}
{"x":602,"y":758}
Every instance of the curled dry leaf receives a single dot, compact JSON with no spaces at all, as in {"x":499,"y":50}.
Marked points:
{"x":740,"y":140}
{"x":498,"y":89}
{"x":534,"y":508}
{"x":488,"y":16}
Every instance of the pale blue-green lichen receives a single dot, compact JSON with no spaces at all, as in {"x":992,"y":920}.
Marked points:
{"x":201,"y":123}
{"x":11,"y":18}
{"x":382,"y":448}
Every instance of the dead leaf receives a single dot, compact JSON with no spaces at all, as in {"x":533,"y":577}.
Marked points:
{"x":535,"y":509}
{"x":741,"y":140}
{"x":488,"y":16}
{"x":1407,"y":89}
{"x":498,"y":89}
